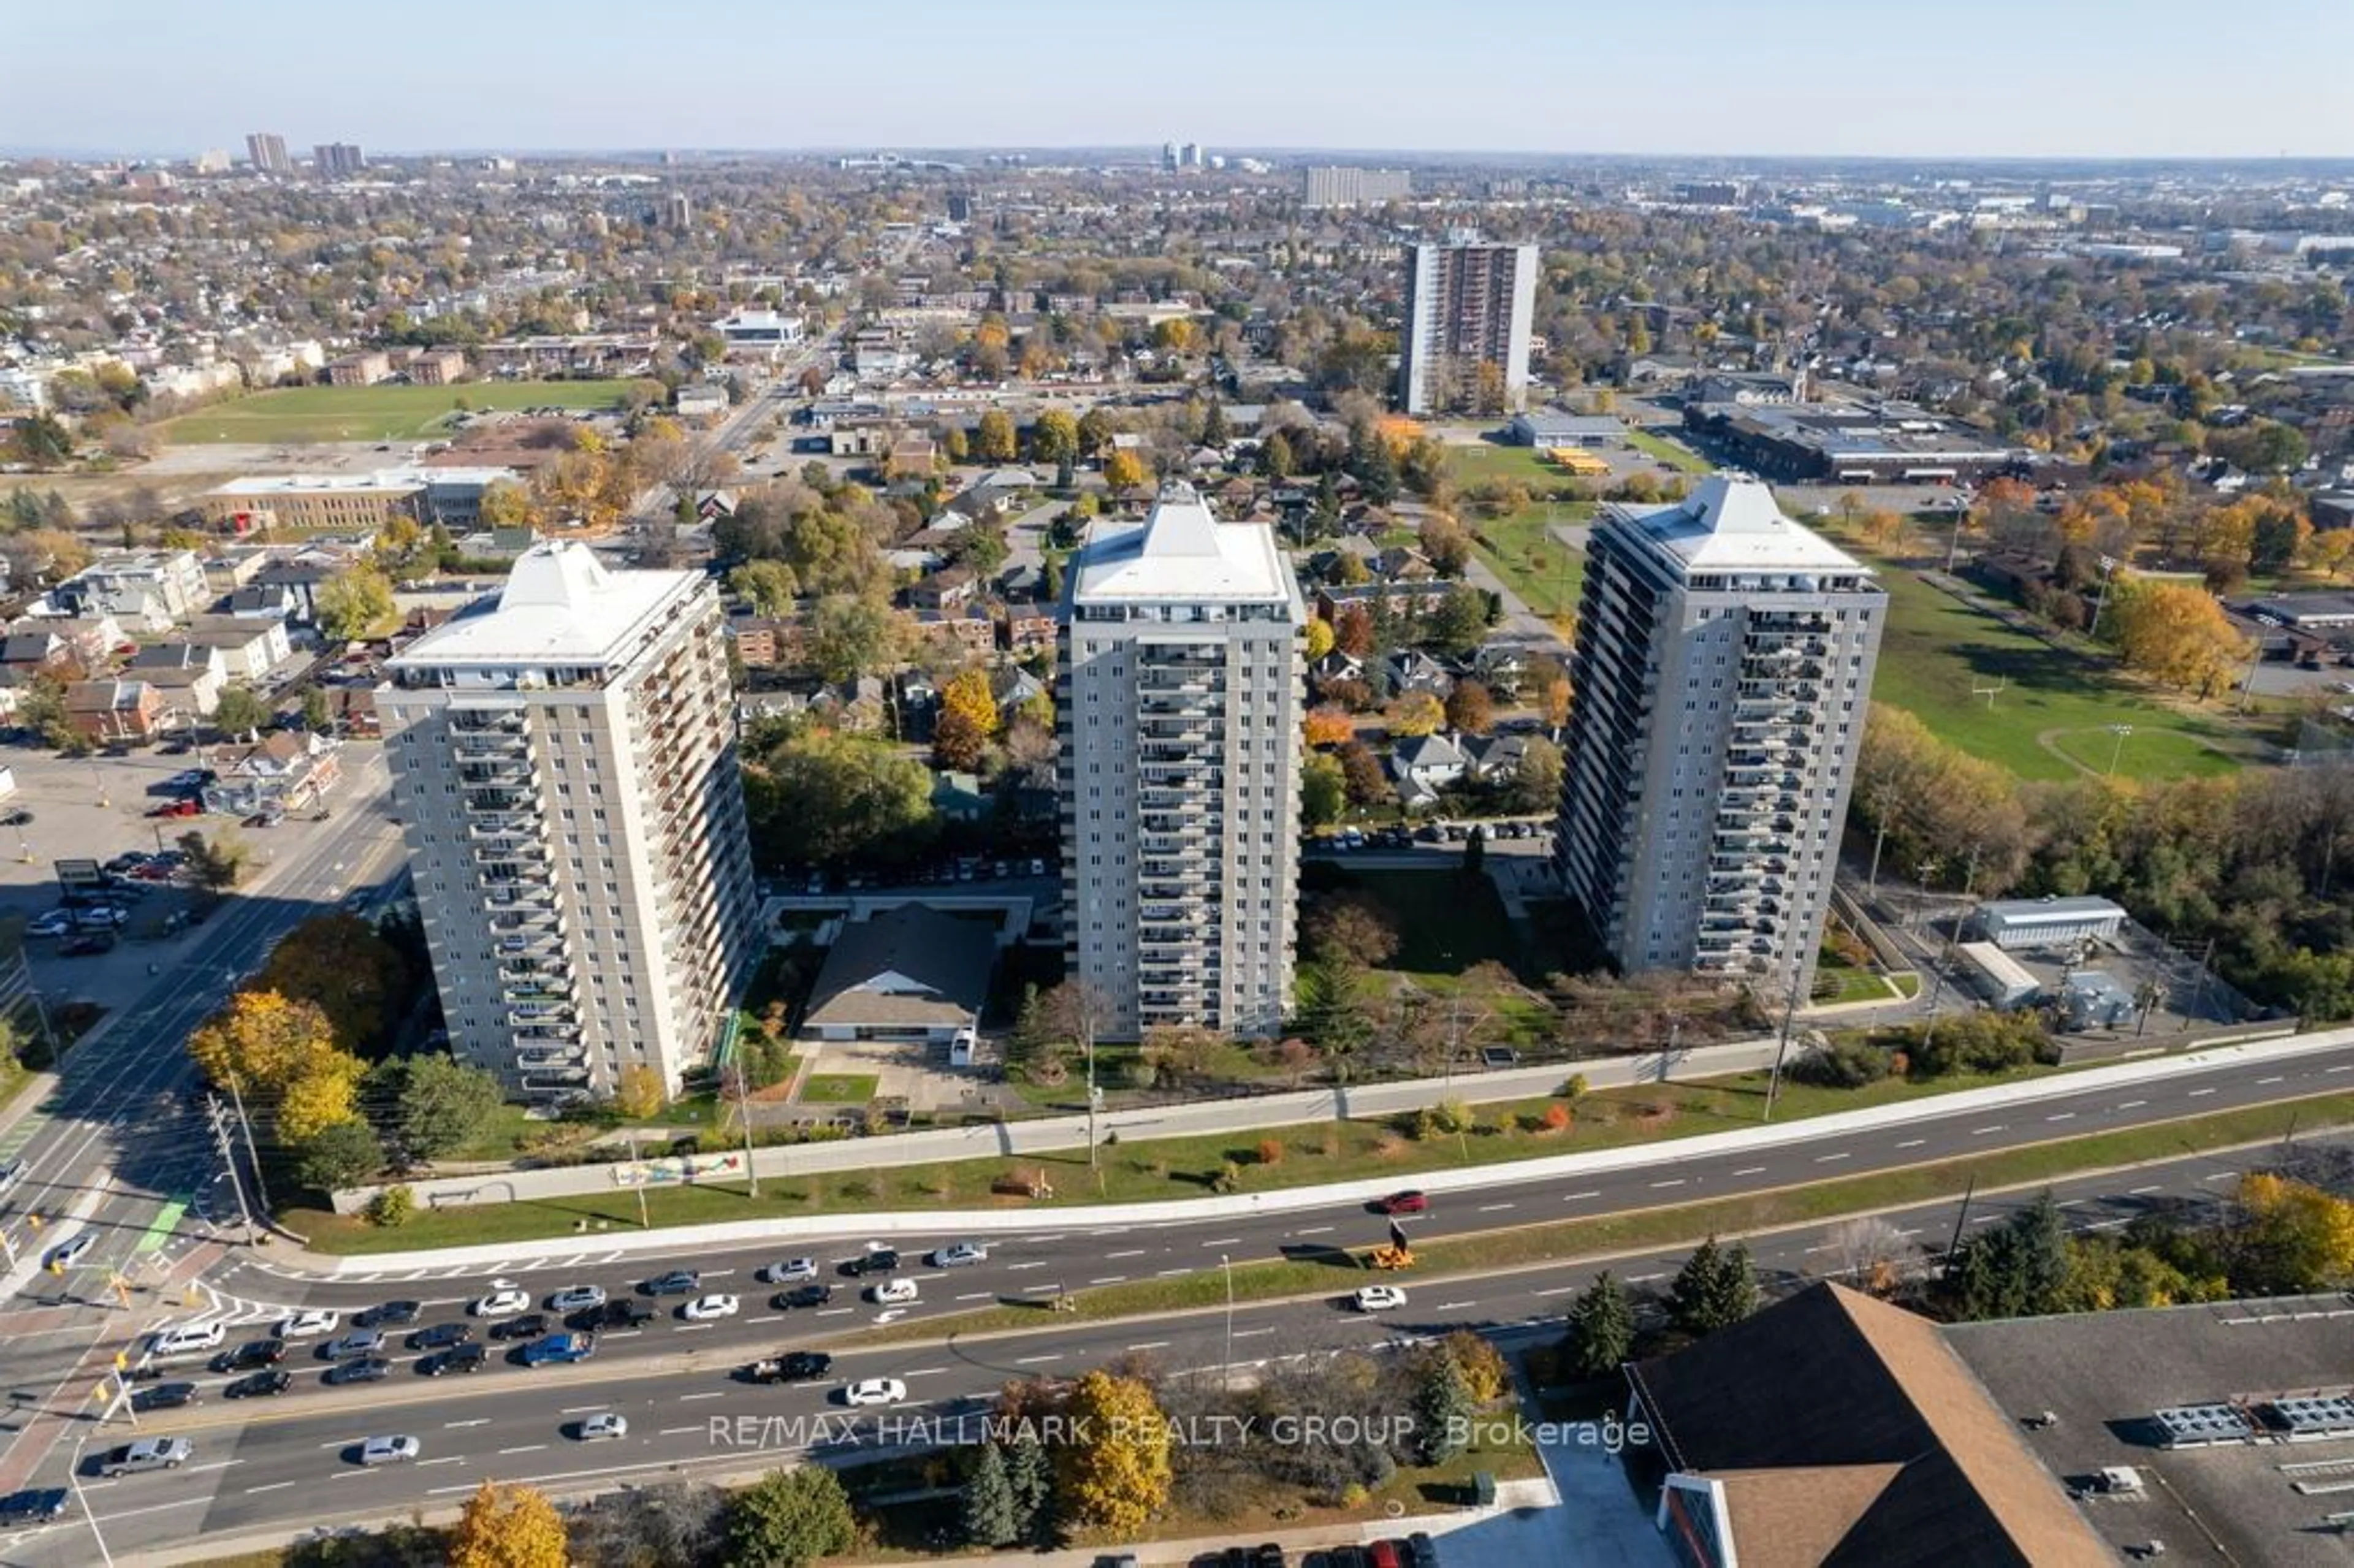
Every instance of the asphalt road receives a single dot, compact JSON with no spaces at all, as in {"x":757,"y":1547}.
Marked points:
{"x":280,"y":1467}
{"x":120,"y":1149}
{"x":1054,"y":1259}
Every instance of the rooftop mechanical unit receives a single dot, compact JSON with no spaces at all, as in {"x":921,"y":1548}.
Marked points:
{"x":2196,"y":1425}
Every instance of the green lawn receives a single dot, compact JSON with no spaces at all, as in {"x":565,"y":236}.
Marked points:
{"x":298,"y":413}
{"x":1937,"y":648}
{"x":1520,"y":549}
{"x":1523,"y":465}
{"x":1446,"y":924}
{"x":1676,"y":453}
{"x":838,"y":1089}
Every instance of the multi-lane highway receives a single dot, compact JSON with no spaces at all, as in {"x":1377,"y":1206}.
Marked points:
{"x":255,"y":1470}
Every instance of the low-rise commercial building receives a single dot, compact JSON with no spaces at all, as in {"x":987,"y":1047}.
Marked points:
{"x":2016,"y":923}
{"x":911,"y":973}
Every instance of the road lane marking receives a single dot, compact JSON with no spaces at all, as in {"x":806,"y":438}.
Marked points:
{"x":1643,"y":1278}
{"x":1225,"y":1241}
{"x":2275,"y":1078}
{"x":1304,"y":1231}
{"x":1168,"y":1273}
{"x":1913,"y":1143}
{"x":1151,"y":1345}
{"x":976,"y":1295}
{"x":1751,"y":1170}
{"x":1493,"y":1208}
{"x":1671,"y":1181}
{"x":2060,"y":1115}
{"x":579,"y":1409}
{"x":1457,"y":1306}
{"x":1251,"y":1333}
{"x":716,"y":1393}
{"x":923,"y":1371}
{"x":1827,"y":1158}
{"x":2142,"y":1192}
{"x":1560,"y":1290}
{"x":2131,"y":1105}
{"x":1017,"y":1267}
{"x":676,"y":1431}
{"x":1109,"y":1279}
{"x":445,"y":1459}
{"x":271,"y":1487}
{"x":2196,"y":1093}
{"x":477,"y":1421}
{"x":1138,"y":1252}
{"x":1982,"y":1131}
{"x":1037,"y":1360}
{"x":2347,"y":1067}
{"x":525,"y":1449}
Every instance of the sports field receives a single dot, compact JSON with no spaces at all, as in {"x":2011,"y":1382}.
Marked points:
{"x":297,"y":415}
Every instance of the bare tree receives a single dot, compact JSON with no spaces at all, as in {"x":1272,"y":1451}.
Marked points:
{"x":1869,"y":1251}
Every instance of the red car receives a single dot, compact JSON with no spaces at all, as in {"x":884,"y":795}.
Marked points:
{"x":179,"y":809}
{"x":1403,"y":1204}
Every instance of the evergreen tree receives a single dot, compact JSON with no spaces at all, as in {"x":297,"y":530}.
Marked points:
{"x":989,"y":1512}
{"x":2017,"y":1269}
{"x":1214,"y":431}
{"x":1474,"y":855}
{"x":2042,"y":1253}
{"x":1601,"y":1328}
{"x":1716,"y":1288}
{"x":1443,"y":1410}
{"x":1030,"y":1478}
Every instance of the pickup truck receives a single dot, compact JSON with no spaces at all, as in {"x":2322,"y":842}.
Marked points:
{"x":559,"y":1348}
{"x":800,"y":1366}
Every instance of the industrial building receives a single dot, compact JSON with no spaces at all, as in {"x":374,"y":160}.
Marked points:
{"x":1178,"y":709}
{"x":1724,"y":657}
{"x":2016,"y":923}
{"x":563,"y":758}
{"x":2002,"y":981}
{"x":1852,"y":443}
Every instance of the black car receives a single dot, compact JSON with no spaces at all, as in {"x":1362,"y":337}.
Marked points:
{"x":16,"y":818}
{"x":368,"y":1369}
{"x":619,"y":1313}
{"x":441,"y":1337}
{"x":803,"y":1365}
{"x":530,"y":1325}
{"x":165,"y":1396}
{"x":1421,"y":1552}
{"x":391,"y":1315}
{"x":35,"y":1505}
{"x":259,"y":1385}
{"x":677,"y":1282}
{"x":251,"y":1354}
{"x":881,"y":1261}
{"x":802,"y":1296}
{"x":86,"y":944}
{"x":465,"y":1358}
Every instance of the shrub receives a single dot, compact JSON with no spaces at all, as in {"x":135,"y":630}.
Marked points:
{"x":1841,"y":1064}
{"x":1270,"y":1151}
{"x":1229,"y":1177}
{"x":391,"y":1207}
{"x":1556,"y":1117}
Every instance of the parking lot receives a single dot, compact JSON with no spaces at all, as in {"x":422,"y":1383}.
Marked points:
{"x":95,"y":809}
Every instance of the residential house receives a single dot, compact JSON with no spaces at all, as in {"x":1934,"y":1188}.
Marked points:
{"x":911,"y":973}
{"x":285,"y":771}
{"x":96,"y":640}
{"x":959,"y":797}
{"x":437,"y":366}
{"x":1423,"y":765}
{"x":1493,"y":758}
{"x":1013,"y":687}
{"x":714,"y":505}
{"x":31,"y":647}
{"x":911,"y":455}
{"x":760,"y":640}
{"x":189,"y":677}
{"x":1502,"y":667}
{"x":947,"y":589}
{"x":704,"y":402}
{"x":301,"y":578}
{"x":363,"y":369}
{"x":111,"y":710}
{"x":251,"y":647}
{"x":1404,"y":599}
{"x":151,"y":590}
{"x":1336,"y":665}
{"x":261,"y":601}
{"x":1029,"y":631}
{"x":861,"y":704}
{"x":1403,"y":564}
{"x":1412,"y":670}
{"x":967,"y":626}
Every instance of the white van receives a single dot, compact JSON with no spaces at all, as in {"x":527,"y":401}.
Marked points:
{"x":187,"y":1339}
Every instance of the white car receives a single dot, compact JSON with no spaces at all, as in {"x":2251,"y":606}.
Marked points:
{"x":502,"y":1304}
{"x":577,"y":1298}
{"x":958,"y":1255}
{"x":891,"y":1292}
{"x":310,"y":1324}
{"x":789,"y":1271}
{"x":389,"y":1450}
{"x":358,"y":1343}
{"x":875,"y":1391}
{"x":605,"y":1425}
{"x":188,"y":1338}
{"x":50,"y":923}
{"x":67,"y":1253}
{"x":703,"y":1308}
{"x":1380,"y":1298}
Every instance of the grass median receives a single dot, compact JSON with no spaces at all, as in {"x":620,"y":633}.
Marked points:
{"x":1338,"y":1268}
{"x":1264,"y":1160}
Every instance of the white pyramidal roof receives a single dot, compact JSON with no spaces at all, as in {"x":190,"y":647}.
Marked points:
{"x":561,"y":605}
{"x":1181,"y":552}
{"x":1730,"y":522}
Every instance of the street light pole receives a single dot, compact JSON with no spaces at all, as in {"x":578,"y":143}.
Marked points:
{"x":1773,"y":1083}
{"x":82,"y":1498}
{"x":1226,"y":1372}
{"x":2117,"y":750}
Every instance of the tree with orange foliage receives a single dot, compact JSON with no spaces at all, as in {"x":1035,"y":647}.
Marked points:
{"x":1329,"y":726}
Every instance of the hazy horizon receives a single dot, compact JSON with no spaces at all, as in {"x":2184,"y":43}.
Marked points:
{"x":1829,"y":79}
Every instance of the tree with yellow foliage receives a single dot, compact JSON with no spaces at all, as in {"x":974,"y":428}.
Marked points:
{"x":2291,"y":1237}
{"x":279,"y":1051}
{"x":1329,"y":726}
{"x":1319,"y":632}
{"x":1114,"y":1474}
{"x":509,"y":1527}
{"x":1125,"y":470}
{"x":2175,"y":634}
{"x":1414,"y":713}
{"x":968,"y":695}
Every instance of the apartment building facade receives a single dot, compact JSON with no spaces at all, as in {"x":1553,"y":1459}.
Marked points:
{"x":564,"y":762}
{"x":1724,"y":666}
{"x":1180,"y":682}
{"x":1467,"y":306}
{"x":1330,"y":186}
{"x":266,"y":151}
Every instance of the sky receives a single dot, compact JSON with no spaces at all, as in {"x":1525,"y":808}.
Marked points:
{"x":1729,"y":78}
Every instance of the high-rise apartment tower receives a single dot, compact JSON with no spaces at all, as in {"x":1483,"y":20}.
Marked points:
{"x":564,"y":760}
{"x":1467,"y":306}
{"x":1179,"y":715}
{"x":1723,"y":665}
{"x":267,"y":153}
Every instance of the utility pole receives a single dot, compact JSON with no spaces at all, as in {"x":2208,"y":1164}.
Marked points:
{"x":1782,"y":1048}
{"x":245,"y":1123}
{"x":644,"y":1223}
{"x":744,"y":1111}
{"x":1087,"y":1008}
{"x":1961,"y":1218}
{"x":104,"y":1556}
{"x":219,"y":1114}
{"x":1879,"y":837}
{"x":1226,"y":1371}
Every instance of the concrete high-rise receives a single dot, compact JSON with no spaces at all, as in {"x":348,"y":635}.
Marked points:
{"x":1341,"y":185}
{"x":564,"y":760}
{"x":267,"y":153}
{"x":1179,"y":719}
{"x":1467,"y":306}
{"x":1724,"y":664}
{"x":334,"y":160}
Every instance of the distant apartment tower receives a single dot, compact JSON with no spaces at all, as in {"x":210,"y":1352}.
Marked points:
{"x":1723,"y":663}
{"x":1340,"y":186}
{"x":1467,"y":306}
{"x":564,"y":758}
{"x":335,"y":159}
{"x":1171,"y":156}
{"x":678,"y":210}
{"x":1179,"y":717}
{"x":267,"y":154}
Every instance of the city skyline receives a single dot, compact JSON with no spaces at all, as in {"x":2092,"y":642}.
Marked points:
{"x":1865,"y":75}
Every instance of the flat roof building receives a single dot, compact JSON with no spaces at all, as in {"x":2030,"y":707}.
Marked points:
{"x":1179,"y":710}
{"x":1722,"y":668}
{"x":564,"y":758}
{"x":910,"y":973}
{"x":1466,"y":339}
{"x":2012,"y":923}
{"x":1852,"y":443}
